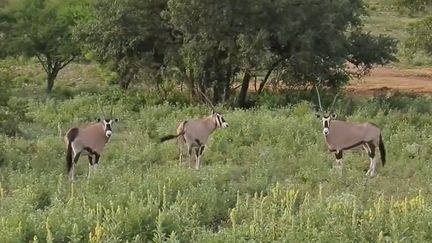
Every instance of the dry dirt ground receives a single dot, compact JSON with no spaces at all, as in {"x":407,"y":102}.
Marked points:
{"x":390,"y":79}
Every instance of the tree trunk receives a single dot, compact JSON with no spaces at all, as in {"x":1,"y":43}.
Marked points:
{"x":218,"y":88}
{"x":50,"y":80}
{"x":227,"y":83}
{"x":125,"y":82}
{"x":52,"y":67}
{"x":244,"y":89}
{"x":262,"y":84}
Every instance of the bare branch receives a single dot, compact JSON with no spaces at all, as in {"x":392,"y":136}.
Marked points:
{"x":67,"y":61}
{"x":42,"y":62}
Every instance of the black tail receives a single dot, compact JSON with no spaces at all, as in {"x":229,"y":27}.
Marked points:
{"x":71,"y":135}
{"x":168,"y":137}
{"x":382,"y":151}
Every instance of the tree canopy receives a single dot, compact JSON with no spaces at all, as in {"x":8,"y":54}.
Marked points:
{"x":41,"y":29}
{"x":128,"y":36}
{"x":215,"y":46}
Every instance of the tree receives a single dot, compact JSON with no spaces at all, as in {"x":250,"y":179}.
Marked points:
{"x":42,"y":29}
{"x":214,"y":45}
{"x":316,"y":39}
{"x":304,"y":40}
{"x":129,"y":37}
{"x":221,"y":39}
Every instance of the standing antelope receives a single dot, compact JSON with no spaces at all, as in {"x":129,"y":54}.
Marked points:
{"x":195,"y":133}
{"x":341,"y":135}
{"x":89,"y":140}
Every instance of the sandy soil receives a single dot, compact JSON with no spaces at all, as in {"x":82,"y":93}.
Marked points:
{"x":388,"y":79}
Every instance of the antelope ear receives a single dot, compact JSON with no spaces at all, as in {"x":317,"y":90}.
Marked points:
{"x":98,"y":119}
{"x":116,"y":119}
{"x":333,"y":116}
{"x":318,"y":115}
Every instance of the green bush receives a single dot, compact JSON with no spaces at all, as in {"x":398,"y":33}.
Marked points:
{"x":12,"y":110}
{"x":266,"y":178}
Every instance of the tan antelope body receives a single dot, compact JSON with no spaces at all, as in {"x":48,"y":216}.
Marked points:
{"x":89,"y":140}
{"x":193,"y":135}
{"x":341,"y":136}
{"x":346,"y":135}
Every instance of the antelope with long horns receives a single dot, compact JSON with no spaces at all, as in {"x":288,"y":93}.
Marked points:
{"x":341,"y":136}
{"x":89,"y":140}
{"x":194,"y":134}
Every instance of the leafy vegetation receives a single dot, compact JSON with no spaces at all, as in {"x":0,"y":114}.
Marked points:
{"x":390,"y":18}
{"x":12,"y":110}
{"x":162,"y":42}
{"x":41,"y":29}
{"x":266,"y":178}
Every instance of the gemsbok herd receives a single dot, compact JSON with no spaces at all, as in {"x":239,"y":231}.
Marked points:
{"x":192,"y":136}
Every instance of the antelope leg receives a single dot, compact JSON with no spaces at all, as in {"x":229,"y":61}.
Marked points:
{"x":339,"y":162}
{"x":96,"y":162}
{"x":197,"y":159}
{"x":372,"y":167}
{"x":90,"y":158}
{"x":190,"y":155}
{"x":72,"y":171}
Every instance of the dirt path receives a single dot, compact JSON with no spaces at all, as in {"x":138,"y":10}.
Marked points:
{"x":384,"y":79}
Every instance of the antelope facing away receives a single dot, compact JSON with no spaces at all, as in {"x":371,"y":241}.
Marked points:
{"x":341,"y":136}
{"x":194,"y":134}
{"x":89,"y":140}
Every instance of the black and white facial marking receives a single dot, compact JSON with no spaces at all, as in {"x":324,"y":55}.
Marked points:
{"x":107,"y":125}
{"x":326,"y":119}
{"x":220,"y":121}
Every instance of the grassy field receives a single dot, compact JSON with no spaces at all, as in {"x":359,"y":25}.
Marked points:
{"x":266,"y":178}
{"x":385,"y":18}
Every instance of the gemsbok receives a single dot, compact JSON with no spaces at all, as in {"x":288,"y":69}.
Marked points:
{"x":195,"y":134}
{"x":89,"y":140}
{"x":342,"y":135}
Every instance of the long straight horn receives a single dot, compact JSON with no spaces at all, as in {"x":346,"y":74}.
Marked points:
{"x":111,"y":109}
{"x":208,"y":101}
{"x":100,"y":108}
{"x":333,"y":103}
{"x":319,"y":99}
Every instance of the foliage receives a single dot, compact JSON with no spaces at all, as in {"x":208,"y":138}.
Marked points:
{"x":42,"y":29}
{"x":214,"y":45}
{"x":129,"y":37}
{"x":12,"y":110}
{"x":368,"y":50}
{"x":305,"y":40}
{"x":262,"y":180}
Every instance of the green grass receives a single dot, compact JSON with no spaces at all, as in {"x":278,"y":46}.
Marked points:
{"x":384,"y":18}
{"x":266,"y":178}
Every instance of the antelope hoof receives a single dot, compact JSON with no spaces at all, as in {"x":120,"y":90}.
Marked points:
{"x":371,"y":173}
